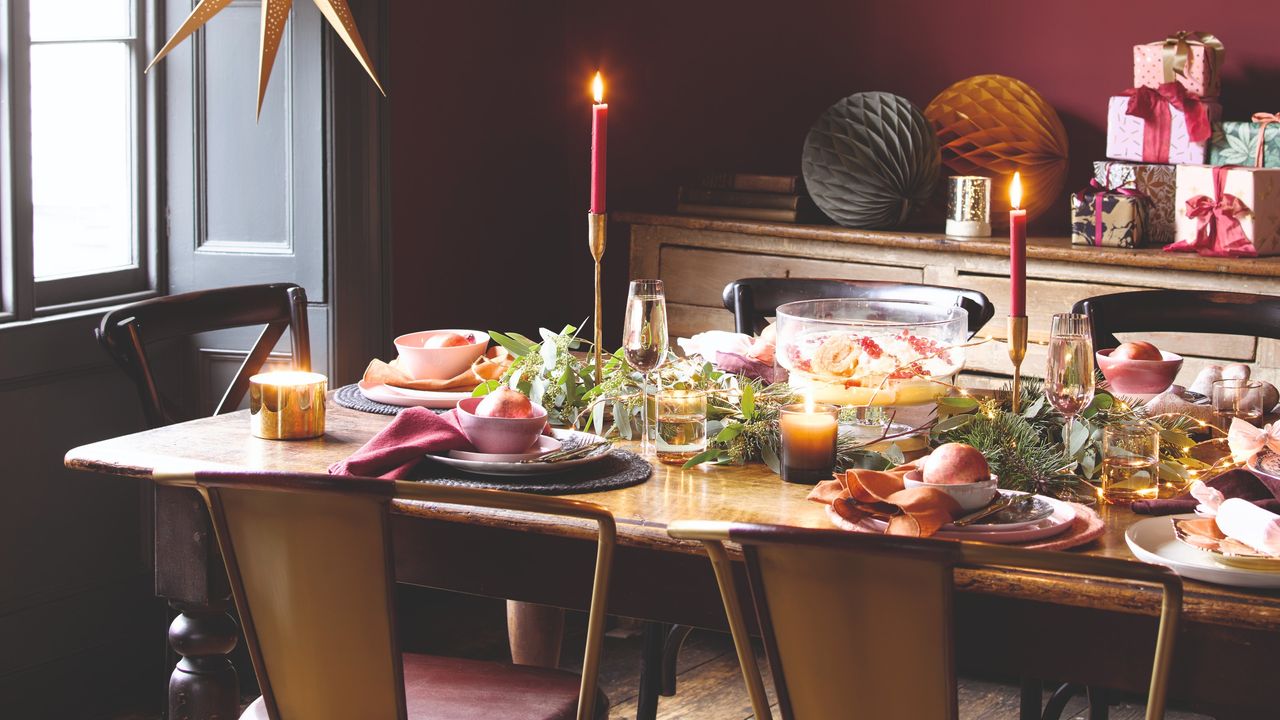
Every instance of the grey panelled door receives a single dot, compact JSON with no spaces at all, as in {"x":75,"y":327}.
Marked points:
{"x":245,"y":196}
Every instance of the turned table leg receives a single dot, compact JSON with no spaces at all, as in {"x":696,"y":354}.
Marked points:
{"x":204,"y":685}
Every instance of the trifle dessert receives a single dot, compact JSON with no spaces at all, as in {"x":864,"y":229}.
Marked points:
{"x":871,"y":352}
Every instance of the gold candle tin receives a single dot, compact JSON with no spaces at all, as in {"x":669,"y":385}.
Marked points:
{"x":969,"y":206}
{"x":287,"y":405}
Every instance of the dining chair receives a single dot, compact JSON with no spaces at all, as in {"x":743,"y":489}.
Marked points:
{"x":1193,"y":311}
{"x":126,"y":331}
{"x":844,"y":614}
{"x":753,"y":300}
{"x":311,"y":569}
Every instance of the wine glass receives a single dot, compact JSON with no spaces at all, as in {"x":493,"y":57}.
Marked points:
{"x":1069,"y":378}
{"x":644,"y":340}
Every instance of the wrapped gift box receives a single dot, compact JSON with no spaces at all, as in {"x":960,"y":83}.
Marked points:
{"x":1255,"y":208}
{"x":1126,"y":133}
{"x":1104,"y":218}
{"x":1157,"y":182}
{"x":1201,"y":74}
{"x":1236,"y":143}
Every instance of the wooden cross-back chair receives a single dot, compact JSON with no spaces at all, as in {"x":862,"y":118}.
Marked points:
{"x":860,"y":626}
{"x":753,"y":300}
{"x":311,"y":569}
{"x":1193,"y":311}
{"x":126,"y":331}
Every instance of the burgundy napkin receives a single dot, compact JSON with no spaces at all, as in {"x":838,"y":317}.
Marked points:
{"x":1232,"y":484}
{"x":394,"y":452}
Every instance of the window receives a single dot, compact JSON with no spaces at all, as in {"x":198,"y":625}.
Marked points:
{"x":74,"y":143}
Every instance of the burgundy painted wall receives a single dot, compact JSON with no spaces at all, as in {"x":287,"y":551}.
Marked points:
{"x":718,"y":85}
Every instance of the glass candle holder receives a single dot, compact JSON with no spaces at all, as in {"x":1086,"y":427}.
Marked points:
{"x":287,"y":405}
{"x":808,"y":442}
{"x":1130,"y":456}
{"x":681,"y":425}
{"x":969,"y":206}
{"x":1236,"y":399}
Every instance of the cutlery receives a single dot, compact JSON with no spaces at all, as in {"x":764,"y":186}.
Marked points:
{"x":1005,"y":501}
{"x":571,"y":454}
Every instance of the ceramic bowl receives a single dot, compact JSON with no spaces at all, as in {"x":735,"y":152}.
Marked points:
{"x":499,"y":435}
{"x":438,"y":363}
{"x":1139,"y":377}
{"x":971,"y":496}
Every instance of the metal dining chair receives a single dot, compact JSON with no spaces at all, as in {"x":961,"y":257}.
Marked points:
{"x":894,"y":598}
{"x":311,"y":568}
{"x":1192,"y":311}
{"x":126,"y":331}
{"x":753,"y":300}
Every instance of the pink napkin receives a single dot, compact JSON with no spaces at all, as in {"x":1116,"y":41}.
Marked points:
{"x":1240,"y":519}
{"x":394,"y":452}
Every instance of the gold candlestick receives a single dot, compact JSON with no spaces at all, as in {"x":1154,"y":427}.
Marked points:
{"x":1017,"y":352}
{"x":597,"y":230}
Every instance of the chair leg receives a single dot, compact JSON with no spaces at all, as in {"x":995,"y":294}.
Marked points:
{"x":1058,"y":701}
{"x":654,"y":636}
{"x":1029,"y":706}
{"x":671,"y":657}
{"x":1099,"y":706}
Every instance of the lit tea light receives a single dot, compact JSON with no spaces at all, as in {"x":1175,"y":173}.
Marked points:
{"x":808,"y":441}
{"x":287,"y":405}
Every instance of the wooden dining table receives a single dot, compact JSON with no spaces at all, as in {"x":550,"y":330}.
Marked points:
{"x":1011,"y":624}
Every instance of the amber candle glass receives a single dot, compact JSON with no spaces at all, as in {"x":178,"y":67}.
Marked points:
{"x":808,"y":442}
{"x":287,"y":405}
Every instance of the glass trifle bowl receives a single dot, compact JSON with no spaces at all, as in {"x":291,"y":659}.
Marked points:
{"x":871,"y":353}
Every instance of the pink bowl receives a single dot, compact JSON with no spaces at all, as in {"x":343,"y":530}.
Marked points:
{"x":438,"y":363}
{"x":497,"y":434}
{"x":1139,"y":377}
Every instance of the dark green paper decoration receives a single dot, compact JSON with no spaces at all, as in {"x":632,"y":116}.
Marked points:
{"x":870,"y":160}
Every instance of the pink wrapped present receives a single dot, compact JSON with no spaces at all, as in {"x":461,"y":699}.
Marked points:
{"x":1226,"y":211}
{"x":1164,"y":125}
{"x":1192,"y":59}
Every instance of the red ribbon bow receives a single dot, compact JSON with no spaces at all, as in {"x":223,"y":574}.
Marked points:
{"x":1263,"y":119}
{"x":1218,"y":229}
{"x":1152,"y":105}
{"x":1099,"y":192}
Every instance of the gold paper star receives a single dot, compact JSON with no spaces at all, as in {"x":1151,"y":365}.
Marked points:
{"x":275,"y":13}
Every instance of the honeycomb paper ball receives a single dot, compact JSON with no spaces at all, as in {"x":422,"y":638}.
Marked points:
{"x":995,"y":126}
{"x":870,"y":160}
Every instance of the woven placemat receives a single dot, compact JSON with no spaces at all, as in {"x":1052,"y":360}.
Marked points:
{"x":349,"y":396}
{"x":620,"y":469}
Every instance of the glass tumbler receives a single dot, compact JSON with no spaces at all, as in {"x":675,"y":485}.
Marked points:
{"x":681,"y":424}
{"x":1130,"y":459}
{"x":1236,"y":399}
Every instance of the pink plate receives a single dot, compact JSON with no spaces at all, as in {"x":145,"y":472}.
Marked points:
{"x":1058,"y":522}
{"x":402,"y":397}
{"x":544,"y":445}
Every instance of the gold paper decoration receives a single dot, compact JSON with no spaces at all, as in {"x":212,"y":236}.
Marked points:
{"x":994,"y":125}
{"x":275,"y":13}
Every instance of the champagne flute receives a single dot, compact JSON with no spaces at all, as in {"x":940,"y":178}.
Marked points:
{"x":644,"y":340}
{"x":1068,"y":380}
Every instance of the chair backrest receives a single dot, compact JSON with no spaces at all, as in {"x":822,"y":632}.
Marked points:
{"x":126,"y":331}
{"x":311,"y":569}
{"x":753,"y":300}
{"x":860,"y":626}
{"x":1194,"y":311}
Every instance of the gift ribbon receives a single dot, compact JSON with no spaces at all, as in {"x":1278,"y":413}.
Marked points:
{"x":1176,"y":52}
{"x":1263,"y":120}
{"x":1153,"y":106}
{"x":1246,"y":441}
{"x":1218,"y":229}
{"x":1100,"y":191}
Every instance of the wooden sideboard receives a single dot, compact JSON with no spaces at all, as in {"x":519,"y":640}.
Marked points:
{"x":697,"y":257}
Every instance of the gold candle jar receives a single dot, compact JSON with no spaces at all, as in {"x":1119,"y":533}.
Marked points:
{"x":287,"y":405}
{"x":969,"y":206}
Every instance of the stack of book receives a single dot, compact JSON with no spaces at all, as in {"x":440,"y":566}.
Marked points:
{"x":743,"y":196}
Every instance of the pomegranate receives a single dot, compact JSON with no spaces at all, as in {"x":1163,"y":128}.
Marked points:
{"x":955,"y":464}
{"x":505,"y":403}
{"x":1137,"y":350}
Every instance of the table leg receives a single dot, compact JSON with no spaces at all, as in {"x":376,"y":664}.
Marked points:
{"x":1099,"y":705}
{"x":671,"y":657}
{"x":1058,"y":701}
{"x":654,"y":636}
{"x":204,"y":685}
{"x":1029,"y":706}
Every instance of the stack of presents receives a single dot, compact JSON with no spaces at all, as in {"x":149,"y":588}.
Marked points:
{"x":1178,"y":175}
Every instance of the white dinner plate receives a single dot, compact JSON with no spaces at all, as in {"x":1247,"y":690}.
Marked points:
{"x":403,"y":397}
{"x":1152,"y":540}
{"x":568,"y":438}
{"x":1058,"y":522}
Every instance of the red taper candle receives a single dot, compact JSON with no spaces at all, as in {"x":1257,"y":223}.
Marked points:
{"x":1017,"y":251}
{"x":599,"y":136}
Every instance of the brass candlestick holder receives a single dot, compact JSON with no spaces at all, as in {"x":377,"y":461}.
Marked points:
{"x":597,"y":231}
{"x":1017,"y":352}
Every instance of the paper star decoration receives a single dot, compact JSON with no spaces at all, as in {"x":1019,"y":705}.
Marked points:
{"x":275,"y":13}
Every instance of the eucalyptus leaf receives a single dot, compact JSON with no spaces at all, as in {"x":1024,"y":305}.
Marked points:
{"x":1035,"y":408}
{"x":864,"y":460}
{"x":958,"y":403}
{"x":729,"y":432}
{"x":485,"y":388}
{"x":748,"y":402}
{"x":894,"y":454}
{"x":952,"y":423}
{"x":622,"y":420}
{"x":597,"y":418}
{"x":770,"y":458}
{"x":704,"y":456}
{"x":1079,"y":438}
{"x":517,"y":347}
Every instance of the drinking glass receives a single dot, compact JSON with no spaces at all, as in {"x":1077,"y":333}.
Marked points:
{"x":644,"y":340}
{"x":1236,"y":399}
{"x":1130,"y":456}
{"x":1068,"y":380}
{"x":682,"y":425}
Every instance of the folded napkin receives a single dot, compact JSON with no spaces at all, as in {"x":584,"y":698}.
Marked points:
{"x":489,"y":366}
{"x":1242,"y":520}
{"x":737,"y":353}
{"x":857,"y":494}
{"x":1240,"y":484}
{"x":394,"y":452}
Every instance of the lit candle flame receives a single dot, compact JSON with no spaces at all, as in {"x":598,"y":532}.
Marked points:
{"x":597,"y":88}
{"x":1015,"y":190}
{"x":809,"y":405}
